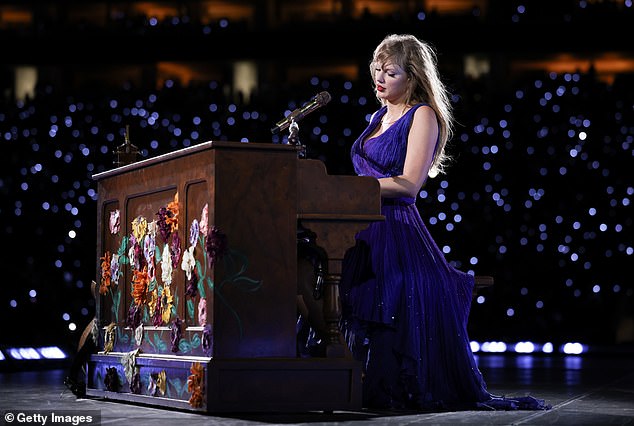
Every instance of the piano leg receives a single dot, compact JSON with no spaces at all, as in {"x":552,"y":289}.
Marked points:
{"x":335,"y":346}
{"x":318,"y":301}
{"x":319,"y":312}
{"x":312,"y":331}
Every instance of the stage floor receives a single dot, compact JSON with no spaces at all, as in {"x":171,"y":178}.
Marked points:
{"x":583,"y":390}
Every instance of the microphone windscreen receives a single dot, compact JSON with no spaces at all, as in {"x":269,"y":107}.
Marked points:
{"x":323,"y":98}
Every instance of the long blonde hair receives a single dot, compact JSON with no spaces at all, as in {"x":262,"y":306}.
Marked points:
{"x":419,"y":60}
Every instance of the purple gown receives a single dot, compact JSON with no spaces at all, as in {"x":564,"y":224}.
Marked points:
{"x":405,"y":308}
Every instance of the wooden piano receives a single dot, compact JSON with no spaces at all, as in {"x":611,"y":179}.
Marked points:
{"x":197,"y":276}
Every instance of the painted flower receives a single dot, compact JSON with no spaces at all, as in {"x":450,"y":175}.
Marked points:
{"x":151,"y":386}
{"x":138,"y":255}
{"x":176,"y":333}
{"x":114,"y":269}
{"x":138,"y":335}
{"x":216,"y":245}
{"x":196,"y":400}
{"x":140,"y":282}
{"x":189,"y":261}
{"x":166,"y":266}
{"x":197,"y":373}
{"x":207,"y":341}
{"x":191,"y":289}
{"x":151,"y":229}
{"x":128,"y":360}
{"x":202,"y":311}
{"x":105,"y":273}
{"x":204,"y":220}
{"x":157,"y":313}
{"x":195,"y":384}
{"x":175,"y":250}
{"x":109,"y":338}
{"x":149,"y":244}
{"x":139,"y":228}
{"x":194,"y":230}
{"x":161,"y":222}
{"x":132,"y":252}
{"x":152,"y":299}
{"x":172,"y":219}
{"x":134,"y":316}
{"x":161,"y":382}
{"x":167,"y":219}
{"x":167,"y":301}
{"x":115,"y":221}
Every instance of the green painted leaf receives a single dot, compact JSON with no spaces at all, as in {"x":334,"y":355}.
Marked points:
{"x":184,"y":346}
{"x":178,"y":386}
{"x":190,"y":309}
{"x":196,"y":341}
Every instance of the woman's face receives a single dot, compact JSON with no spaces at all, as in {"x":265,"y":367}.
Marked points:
{"x":391,"y":82}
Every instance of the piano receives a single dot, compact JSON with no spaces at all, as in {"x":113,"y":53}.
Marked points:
{"x":197,"y":260}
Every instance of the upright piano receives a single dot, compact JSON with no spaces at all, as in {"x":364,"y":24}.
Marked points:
{"x":198,"y":279}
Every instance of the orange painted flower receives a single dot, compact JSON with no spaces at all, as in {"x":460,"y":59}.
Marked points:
{"x":105,"y":273}
{"x":195,"y":385}
{"x":172,"y":219}
{"x":140,"y":282}
{"x":196,"y":400}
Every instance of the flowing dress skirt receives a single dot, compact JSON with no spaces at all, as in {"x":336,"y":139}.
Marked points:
{"x":405,"y":313}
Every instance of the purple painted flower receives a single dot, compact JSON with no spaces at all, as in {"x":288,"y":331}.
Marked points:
{"x":175,"y":250}
{"x":138,"y":256}
{"x":192,"y":285}
{"x":194,"y":230}
{"x":216,"y":246}
{"x":207,"y":340}
{"x":164,"y":227}
{"x":176,"y":334}
{"x":134,"y":316}
{"x":149,"y":244}
{"x":157,"y":317}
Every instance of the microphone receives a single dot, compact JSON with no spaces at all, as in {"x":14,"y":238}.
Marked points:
{"x":318,"y":101}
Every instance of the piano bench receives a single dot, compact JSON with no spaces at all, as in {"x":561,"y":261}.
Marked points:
{"x":482,"y":281}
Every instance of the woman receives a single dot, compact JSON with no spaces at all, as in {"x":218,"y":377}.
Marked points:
{"x":405,"y":308}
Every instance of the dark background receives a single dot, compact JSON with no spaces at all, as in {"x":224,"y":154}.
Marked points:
{"x":538,"y":194}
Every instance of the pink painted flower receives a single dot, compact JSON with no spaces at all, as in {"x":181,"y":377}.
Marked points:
{"x":204,"y":220}
{"x":115,"y":221}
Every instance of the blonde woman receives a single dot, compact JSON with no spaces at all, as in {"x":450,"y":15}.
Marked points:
{"x":405,"y":308}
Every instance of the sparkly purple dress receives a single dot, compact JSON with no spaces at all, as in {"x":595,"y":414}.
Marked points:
{"x":405,"y":309}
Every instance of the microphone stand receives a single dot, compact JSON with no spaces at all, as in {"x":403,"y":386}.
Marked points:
{"x":293,"y":138}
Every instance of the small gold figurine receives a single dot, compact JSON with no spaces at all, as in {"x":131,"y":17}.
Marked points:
{"x":126,"y":153}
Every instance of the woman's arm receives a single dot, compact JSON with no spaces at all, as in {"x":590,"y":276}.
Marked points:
{"x":421,"y":142}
